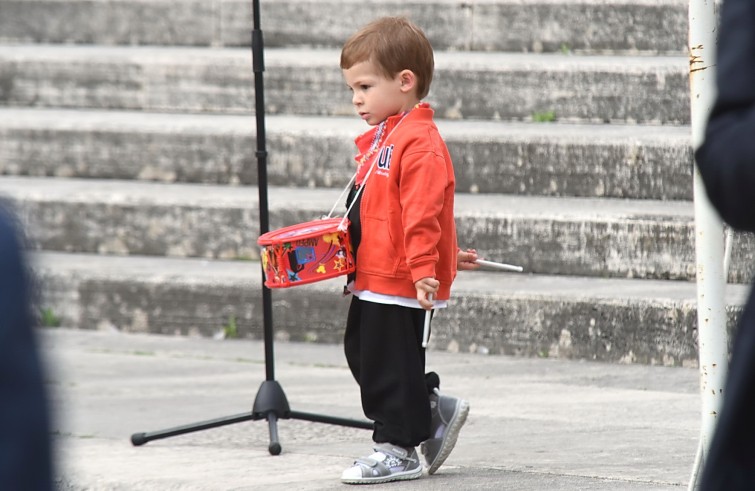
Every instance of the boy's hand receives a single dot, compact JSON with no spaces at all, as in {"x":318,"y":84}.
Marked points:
{"x":465,"y":260}
{"x":424,"y":287}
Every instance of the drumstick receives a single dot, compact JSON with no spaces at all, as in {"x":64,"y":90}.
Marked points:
{"x":499,"y":266}
{"x":426,"y":330}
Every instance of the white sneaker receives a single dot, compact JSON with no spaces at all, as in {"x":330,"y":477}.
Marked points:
{"x":388,"y":463}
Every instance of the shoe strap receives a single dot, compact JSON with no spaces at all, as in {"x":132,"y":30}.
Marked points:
{"x":395,"y":451}
{"x":367,"y":462}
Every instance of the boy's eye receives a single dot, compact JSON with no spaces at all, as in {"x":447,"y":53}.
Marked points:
{"x":364,"y":87}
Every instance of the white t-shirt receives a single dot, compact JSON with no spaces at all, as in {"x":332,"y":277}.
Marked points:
{"x":369,"y":296}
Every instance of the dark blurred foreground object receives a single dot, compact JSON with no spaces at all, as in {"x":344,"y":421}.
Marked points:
{"x":25,"y":455}
{"x":726,"y":160}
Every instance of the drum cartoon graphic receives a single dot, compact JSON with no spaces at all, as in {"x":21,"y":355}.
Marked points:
{"x":307,"y":252}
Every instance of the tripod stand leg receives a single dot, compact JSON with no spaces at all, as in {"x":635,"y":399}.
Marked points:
{"x":272,"y":422}
{"x":332,"y":420}
{"x":271,"y":404}
{"x":138,"y":439}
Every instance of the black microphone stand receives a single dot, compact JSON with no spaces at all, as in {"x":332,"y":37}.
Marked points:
{"x":270,"y":403}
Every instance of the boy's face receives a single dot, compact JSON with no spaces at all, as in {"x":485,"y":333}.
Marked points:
{"x":374,"y":96}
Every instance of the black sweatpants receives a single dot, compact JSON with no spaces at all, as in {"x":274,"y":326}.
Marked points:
{"x":383,"y":345}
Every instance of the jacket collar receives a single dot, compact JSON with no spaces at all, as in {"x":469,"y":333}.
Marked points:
{"x":420,"y":112}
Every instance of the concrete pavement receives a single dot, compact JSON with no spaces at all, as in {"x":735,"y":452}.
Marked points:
{"x":534,"y":424}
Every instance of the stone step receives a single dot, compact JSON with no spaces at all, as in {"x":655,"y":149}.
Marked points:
{"x":619,"y":161}
{"x":614,"y":320}
{"x":498,"y":86}
{"x":570,"y":236}
{"x":503,"y":25}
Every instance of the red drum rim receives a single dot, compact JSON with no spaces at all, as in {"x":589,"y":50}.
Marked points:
{"x":306,"y":230}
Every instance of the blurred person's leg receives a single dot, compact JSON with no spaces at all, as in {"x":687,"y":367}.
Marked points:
{"x":25,"y":455}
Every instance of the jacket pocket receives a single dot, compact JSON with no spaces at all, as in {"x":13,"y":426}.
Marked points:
{"x":377,"y":254}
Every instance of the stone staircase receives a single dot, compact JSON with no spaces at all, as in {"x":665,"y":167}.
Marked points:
{"x":127,"y":142}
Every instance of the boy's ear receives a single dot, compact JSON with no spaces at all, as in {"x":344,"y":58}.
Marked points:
{"x":408,"y":80}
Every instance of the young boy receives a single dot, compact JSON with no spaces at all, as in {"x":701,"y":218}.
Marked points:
{"x":403,"y":233}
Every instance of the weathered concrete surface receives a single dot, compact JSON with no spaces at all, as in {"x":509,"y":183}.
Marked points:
{"x":109,"y":22}
{"x":604,"y":89}
{"x":573,"y":236}
{"x":537,"y":26}
{"x":217,"y":149}
{"x":640,"y":321}
{"x":626,"y":321}
{"x":619,"y":161}
{"x":534,"y":424}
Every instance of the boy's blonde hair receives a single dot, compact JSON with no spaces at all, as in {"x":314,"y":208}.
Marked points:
{"x":392,"y":44}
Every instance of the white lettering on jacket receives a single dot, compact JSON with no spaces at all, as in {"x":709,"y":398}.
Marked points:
{"x":384,"y":161}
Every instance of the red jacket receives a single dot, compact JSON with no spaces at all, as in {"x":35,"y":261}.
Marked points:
{"x":408,"y":229}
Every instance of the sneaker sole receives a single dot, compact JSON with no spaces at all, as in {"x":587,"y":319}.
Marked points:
{"x":399,"y":476}
{"x":457,"y":421}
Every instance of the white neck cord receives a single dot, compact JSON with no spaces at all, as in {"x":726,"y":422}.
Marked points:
{"x":364,"y":181}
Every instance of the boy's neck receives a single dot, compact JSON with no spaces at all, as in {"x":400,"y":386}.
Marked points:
{"x":405,"y":110}
{"x":409,"y":105}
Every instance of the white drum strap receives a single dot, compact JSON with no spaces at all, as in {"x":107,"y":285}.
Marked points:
{"x":342,"y":225}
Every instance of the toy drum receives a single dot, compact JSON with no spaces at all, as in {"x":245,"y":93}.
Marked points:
{"x":306,"y":252}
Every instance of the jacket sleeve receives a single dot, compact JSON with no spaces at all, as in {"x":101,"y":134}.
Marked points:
{"x":726,"y":158}
{"x":423,"y":182}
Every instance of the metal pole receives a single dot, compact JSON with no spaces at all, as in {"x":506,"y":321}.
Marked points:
{"x":258,"y":65}
{"x":709,"y":232}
